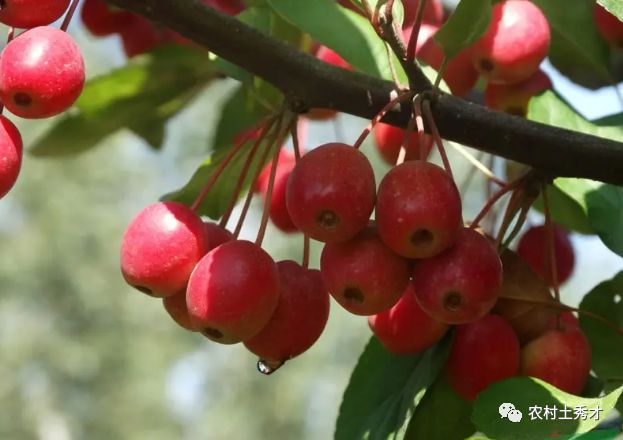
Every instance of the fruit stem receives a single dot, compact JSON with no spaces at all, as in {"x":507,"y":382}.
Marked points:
{"x":244,"y":173}
{"x":549,"y":244}
{"x":389,"y":106}
{"x":493,"y":199}
{"x":478,"y":164}
{"x":69,"y":15}
{"x":392,"y":66}
{"x":297,"y":157}
{"x":563,"y":307}
{"x":470,"y":175}
{"x":402,"y":154}
{"x":428,"y":114}
{"x":415,"y":32}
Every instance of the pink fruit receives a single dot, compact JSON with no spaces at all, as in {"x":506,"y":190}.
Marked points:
{"x":532,"y":248}
{"x":160,"y":248}
{"x":406,"y":328}
{"x":28,"y":14}
{"x":461,"y":284}
{"x":233,"y":292}
{"x":561,"y":358}
{"x":41,"y":73}
{"x":515,"y":44}
{"x":418,"y":210}
{"x":362,"y":274}
{"x":609,"y":26}
{"x":389,"y":142}
{"x":216,"y":235}
{"x":101,"y":19}
{"x":514,"y":98}
{"x":11,"y":150}
{"x":483,"y":352}
{"x":330,"y":193}
{"x":299,"y":319}
{"x":176,"y":308}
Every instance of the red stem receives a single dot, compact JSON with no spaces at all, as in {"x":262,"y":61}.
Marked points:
{"x":390,"y":105}
{"x":69,"y":15}
{"x":269,"y":192}
{"x":415,"y":32}
{"x":297,"y":157}
{"x":435,"y":132}
{"x":493,"y":200}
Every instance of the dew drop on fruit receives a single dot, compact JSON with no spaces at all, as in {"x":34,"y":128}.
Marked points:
{"x":267,"y":368}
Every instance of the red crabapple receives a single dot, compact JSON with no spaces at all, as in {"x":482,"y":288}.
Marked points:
{"x":277,"y":210}
{"x":140,"y":36}
{"x":389,"y":142}
{"x":564,"y":319}
{"x":362,"y":274}
{"x":406,"y":328}
{"x":483,"y":352}
{"x":330,"y":193}
{"x":560,"y":357}
{"x":26,"y":14}
{"x":418,"y":210}
{"x":11,"y":150}
{"x":461,"y":284}
{"x":299,"y":319}
{"x":216,"y":235}
{"x":532,"y":248}
{"x":101,"y":19}
{"x":515,"y":44}
{"x":609,"y":26}
{"x":41,"y":73}
{"x":161,"y":247}
{"x":233,"y":291}
{"x":285,"y":158}
{"x":175,"y":306}
{"x":514,"y":98}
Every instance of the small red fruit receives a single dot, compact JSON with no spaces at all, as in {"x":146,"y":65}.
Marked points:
{"x":285,"y":158}
{"x":330,"y":193}
{"x":483,"y":352}
{"x":406,"y":328}
{"x":565,"y":319}
{"x":11,"y":151}
{"x":216,"y":235}
{"x":26,"y":14}
{"x":609,"y":26}
{"x":175,"y":306}
{"x":41,"y":73}
{"x":561,"y":358}
{"x":433,"y":11}
{"x":461,"y":284}
{"x":140,"y":36}
{"x":418,"y":210}
{"x":299,"y":319}
{"x":362,"y":274}
{"x":233,"y":292}
{"x":389,"y":142}
{"x":160,"y":248}
{"x":514,"y":98}
{"x":515,"y":44}
{"x":101,"y":19}
{"x":278,"y":211}
{"x":532,"y":248}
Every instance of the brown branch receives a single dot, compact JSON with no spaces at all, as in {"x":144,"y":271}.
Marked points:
{"x":307,"y":83}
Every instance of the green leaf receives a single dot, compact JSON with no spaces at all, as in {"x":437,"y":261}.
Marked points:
{"x":442,"y":414}
{"x":146,"y":92}
{"x":527,"y":393}
{"x":606,"y":344}
{"x":384,"y":391}
{"x":614,"y":6}
{"x":343,"y":30}
{"x":550,"y":108}
{"x":240,"y":113}
{"x":564,"y":209}
{"x":609,"y":434}
{"x":577,"y":50}
{"x":468,"y":23}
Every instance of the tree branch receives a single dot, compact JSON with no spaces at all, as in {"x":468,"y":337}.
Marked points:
{"x":307,"y":83}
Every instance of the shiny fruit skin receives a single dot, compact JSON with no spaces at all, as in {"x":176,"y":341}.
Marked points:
{"x":561,"y":358}
{"x":26,"y":14}
{"x":515,"y":44}
{"x":330,"y":193}
{"x":175,"y":306}
{"x":216,"y":235}
{"x":514,"y":98}
{"x":483,"y":352}
{"x":462,"y":284}
{"x":11,"y":152}
{"x":532,"y":248}
{"x":233,"y":291}
{"x":362,"y":274}
{"x":406,"y":328}
{"x":389,"y":142}
{"x":101,"y":20}
{"x":610,"y":27}
{"x":161,"y":247}
{"x":41,"y":73}
{"x":299,"y":319}
{"x":418,"y":210}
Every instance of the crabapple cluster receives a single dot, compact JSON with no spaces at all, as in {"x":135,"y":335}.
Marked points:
{"x":42,"y":74}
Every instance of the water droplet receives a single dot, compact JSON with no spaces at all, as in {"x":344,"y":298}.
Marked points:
{"x":267,"y":368}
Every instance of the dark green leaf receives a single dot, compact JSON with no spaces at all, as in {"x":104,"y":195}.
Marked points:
{"x":467,"y":24}
{"x":148,"y":90}
{"x":577,"y":50}
{"x":385,"y":390}
{"x":526,"y":393}
{"x":442,"y":414}
{"x":565,"y":210}
{"x":614,"y":6}
{"x":606,"y":434}
{"x":240,"y":113}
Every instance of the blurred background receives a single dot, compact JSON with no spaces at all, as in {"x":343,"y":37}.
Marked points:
{"x":83,"y":356}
